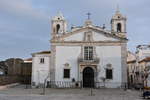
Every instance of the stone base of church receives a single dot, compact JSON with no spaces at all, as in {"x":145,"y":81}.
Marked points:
{"x":67,"y":84}
{"x":108,"y":85}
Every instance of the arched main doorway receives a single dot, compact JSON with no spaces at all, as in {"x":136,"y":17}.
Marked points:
{"x":88,"y":77}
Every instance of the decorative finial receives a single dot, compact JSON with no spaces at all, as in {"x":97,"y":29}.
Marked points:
{"x":72,"y":26}
{"x":59,"y":16}
{"x":118,"y":9}
{"x":104,"y":26}
{"x":88,"y":14}
{"x":59,"y":13}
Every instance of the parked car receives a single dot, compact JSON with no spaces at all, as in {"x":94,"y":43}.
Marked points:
{"x":146,"y":94}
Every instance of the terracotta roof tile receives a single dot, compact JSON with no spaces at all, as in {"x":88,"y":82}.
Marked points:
{"x":28,"y":59}
{"x":44,"y":52}
{"x":131,"y":61}
{"x":145,"y":59}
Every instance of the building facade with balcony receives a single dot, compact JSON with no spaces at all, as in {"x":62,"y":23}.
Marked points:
{"x":144,"y":66}
{"x":142,"y":51}
{"x":132,"y":69}
{"x":138,"y":66}
{"x":86,"y":55}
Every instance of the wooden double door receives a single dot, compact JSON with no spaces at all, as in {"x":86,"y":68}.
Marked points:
{"x":88,"y":77}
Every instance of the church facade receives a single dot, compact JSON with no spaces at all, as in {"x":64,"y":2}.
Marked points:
{"x":88,"y":55}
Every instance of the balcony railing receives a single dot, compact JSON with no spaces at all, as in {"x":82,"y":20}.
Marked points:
{"x":79,"y":84}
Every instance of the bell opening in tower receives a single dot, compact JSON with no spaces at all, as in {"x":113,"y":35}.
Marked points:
{"x":57,"y":28}
{"x":119,"y":27}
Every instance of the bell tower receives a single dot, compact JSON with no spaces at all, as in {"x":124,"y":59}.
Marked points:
{"x":118,"y":24}
{"x":59,"y":25}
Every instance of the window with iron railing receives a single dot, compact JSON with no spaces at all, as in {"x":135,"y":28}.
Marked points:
{"x":88,"y":53}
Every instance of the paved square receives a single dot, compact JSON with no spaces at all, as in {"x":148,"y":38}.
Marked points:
{"x":20,"y":93}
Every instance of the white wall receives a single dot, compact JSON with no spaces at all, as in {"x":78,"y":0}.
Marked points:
{"x":40,"y":71}
{"x":107,"y":55}
{"x":96,"y":37}
{"x":110,"y":55}
{"x":67,"y":54}
{"x":75,"y":37}
{"x":102,"y":37}
{"x":131,"y":57}
{"x":143,"y":54}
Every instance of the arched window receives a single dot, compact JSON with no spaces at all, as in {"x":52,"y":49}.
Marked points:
{"x":119,"y":27}
{"x":57,"y":28}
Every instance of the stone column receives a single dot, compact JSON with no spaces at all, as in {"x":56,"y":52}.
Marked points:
{"x":53,"y":63}
{"x":124,"y":62}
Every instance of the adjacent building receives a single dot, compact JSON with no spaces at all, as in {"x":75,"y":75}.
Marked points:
{"x":26,"y":70}
{"x":40,"y":68}
{"x":3,"y":68}
{"x":142,"y":51}
{"x":132,"y":69}
{"x":139,"y":66}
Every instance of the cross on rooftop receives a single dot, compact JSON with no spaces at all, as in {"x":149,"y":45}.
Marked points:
{"x":88,"y":14}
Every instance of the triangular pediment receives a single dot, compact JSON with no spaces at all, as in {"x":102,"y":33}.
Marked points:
{"x":94,"y":34}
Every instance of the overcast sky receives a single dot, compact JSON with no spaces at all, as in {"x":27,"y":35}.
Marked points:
{"x":25,"y":24}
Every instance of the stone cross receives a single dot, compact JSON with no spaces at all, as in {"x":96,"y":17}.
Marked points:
{"x":89,"y":14}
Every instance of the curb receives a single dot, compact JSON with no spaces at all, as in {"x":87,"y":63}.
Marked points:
{"x":8,"y":86}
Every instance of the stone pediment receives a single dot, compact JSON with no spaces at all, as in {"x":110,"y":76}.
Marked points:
{"x":89,"y":33}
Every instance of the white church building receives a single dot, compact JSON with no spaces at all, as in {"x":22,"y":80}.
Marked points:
{"x":88,"y":55}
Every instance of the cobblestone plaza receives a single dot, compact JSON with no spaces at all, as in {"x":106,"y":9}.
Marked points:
{"x":21,"y":93}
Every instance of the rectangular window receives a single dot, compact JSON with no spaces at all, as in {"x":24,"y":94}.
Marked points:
{"x":66,"y":73}
{"x":109,"y":74}
{"x":42,"y":60}
{"x":88,"y":53}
